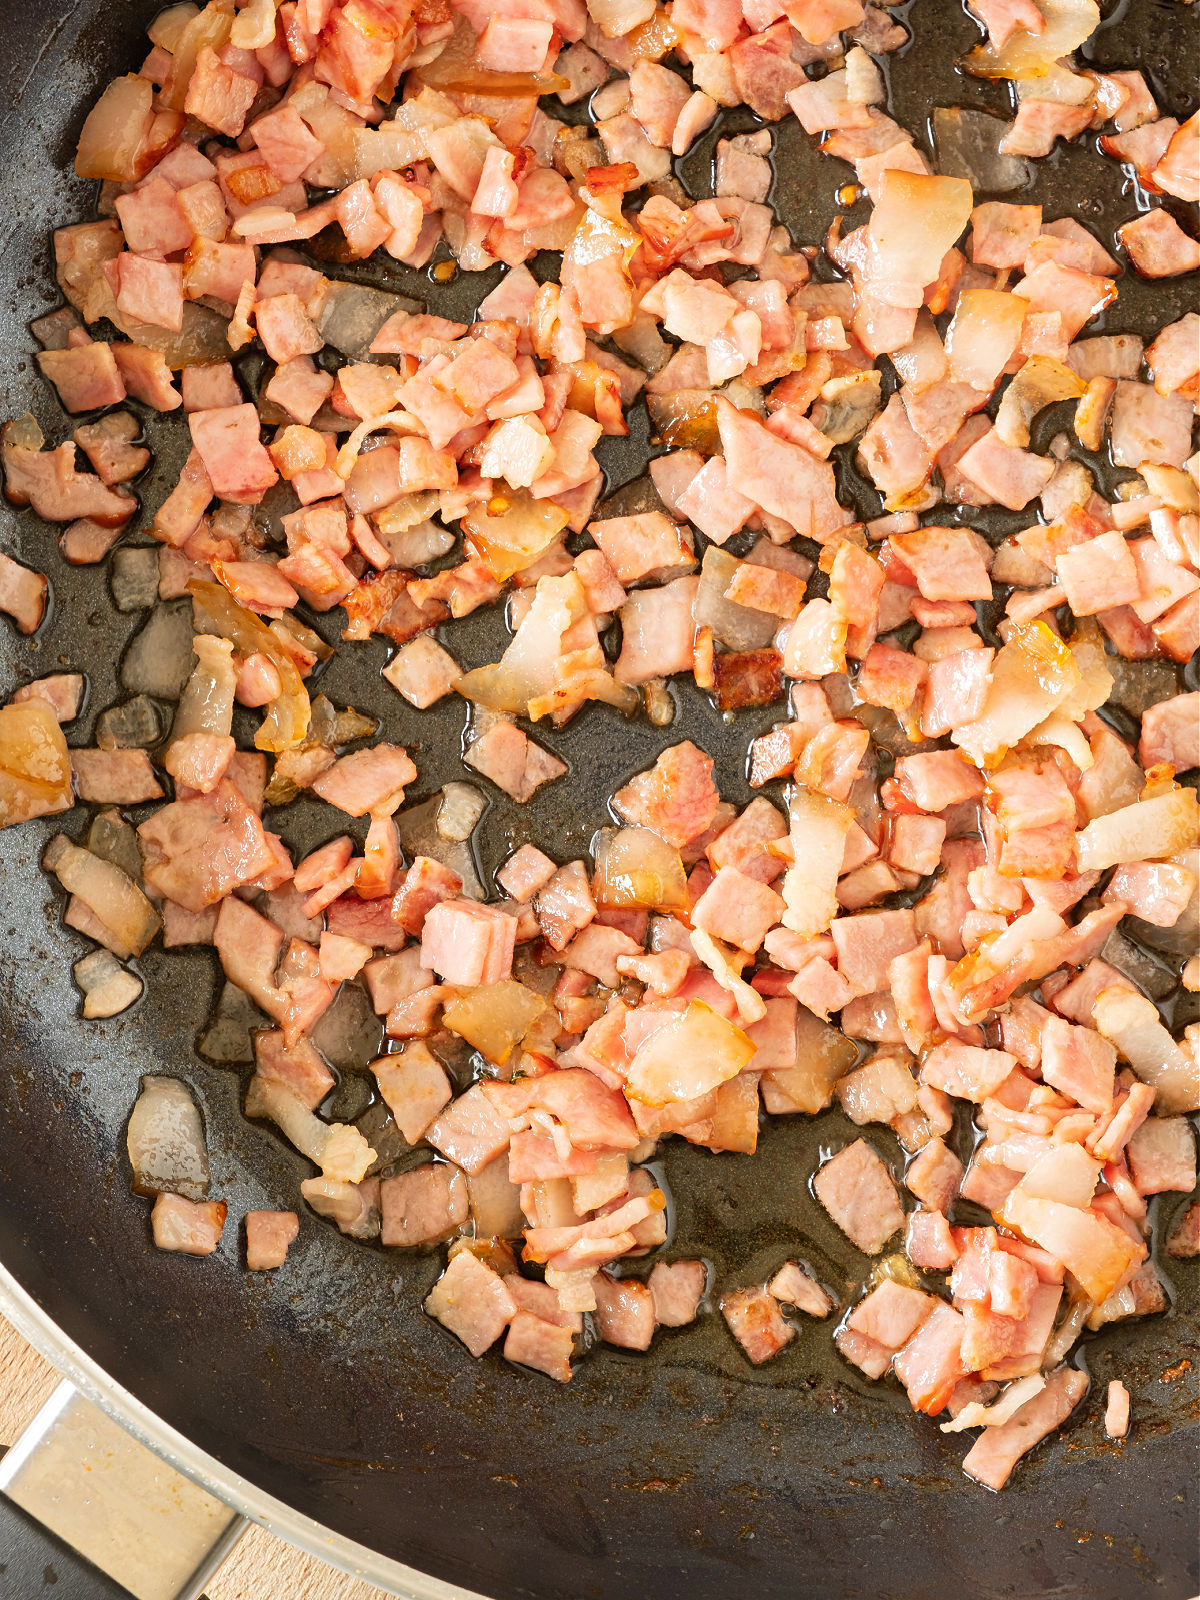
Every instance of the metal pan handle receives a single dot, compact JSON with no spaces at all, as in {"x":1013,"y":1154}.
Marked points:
{"x":117,"y":1504}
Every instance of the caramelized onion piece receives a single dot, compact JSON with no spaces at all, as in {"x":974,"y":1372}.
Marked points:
{"x":287,"y":718}
{"x":637,"y":868}
{"x":35,"y":769}
{"x":494,"y":1018}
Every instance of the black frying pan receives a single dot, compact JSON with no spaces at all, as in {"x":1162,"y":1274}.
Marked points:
{"x":681,"y":1474}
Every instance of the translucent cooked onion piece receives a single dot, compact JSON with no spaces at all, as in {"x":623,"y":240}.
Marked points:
{"x":688,"y":1057}
{"x":1133,"y":1024}
{"x":1033,"y":55}
{"x":819,"y":827}
{"x":1150,"y":830}
{"x":108,"y":987}
{"x":461,"y":808}
{"x":107,"y":891}
{"x":165,"y":1139}
{"x":286,"y":721}
{"x":635,"y":867}
{"x":1041,"y":382}
{"x":1031,"y":675}
{"x":984,"y":333}
{"x":337,"y":1148}
{"x":115,"y":132}
{"x":916,"y":221}
{"x":35,"y":769}
{"x":511,"y":530}
{"x":495,"y":1017}
{"x":1014,"y":1397}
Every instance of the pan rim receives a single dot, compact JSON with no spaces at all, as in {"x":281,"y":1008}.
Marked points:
{"x":36,"y":1326}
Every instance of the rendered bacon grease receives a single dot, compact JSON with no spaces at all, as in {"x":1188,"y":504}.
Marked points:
{"x":920,"y":916}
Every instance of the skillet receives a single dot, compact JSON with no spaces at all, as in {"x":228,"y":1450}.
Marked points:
{"x":684,"y":1473}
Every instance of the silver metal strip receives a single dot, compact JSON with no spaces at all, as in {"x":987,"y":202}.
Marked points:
{"x":115,"y":1502}
{"x":237,"y":1492}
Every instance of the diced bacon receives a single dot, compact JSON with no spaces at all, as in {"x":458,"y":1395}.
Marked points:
{"x":737,"y":909}
{"x":624,"y":1311}
{"x":367,"y":781}
{"x":1162,"y":1156}
{"x":1001,"y":234}
{"x":423,"y":1205}
{"x":192,"y":1227}
{"x":859,"y":1193}
{"x":414,"y":1086}
{"x":595,"y":1116}
{"x":938,"y":780}
{"x":227,"y":441}
{"x":22,"y":594}
{"x":1006,"y":474}
{"x":764,"y":75}
{"x":149,"y":291}
{"x":891,"y":1314}
{"x":676,"y":799}
{"x":114,"y":777}
{"x":535,"y":1343}
{"x":866,"y":945}
{"x":513,"y":761}
{"x":639,"y":545}
{"x":525,"y":872}
{"x":268,"y":1235}
{"x":947,"y":563}
{"x":299,"y":1067}
{"x":288,"y":144}
{"x":930,"y":1364}
{"x":1158,"y":246}
{"x":756,"y":1323}
{"x":468,"y":944}
{"x":781,"y":477}
{"x":966,"y":1071}
{"x":1079,"y":1063}
{"x":87,"y":377}
{"x":928,"y":1242}
{"x":198,"y":850}
{"x":472,"y":1301}
{"x":793,"y":1286}
{"x":61,"y":691}
{"x":565,"y":905}
{"x":934,"y":1176}
{"x":997,"y":1450}
{"x":677,"y":1288}
{"x":1171,"y":733}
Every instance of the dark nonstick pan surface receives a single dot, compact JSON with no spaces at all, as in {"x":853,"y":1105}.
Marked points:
{"x":681,"y":1474}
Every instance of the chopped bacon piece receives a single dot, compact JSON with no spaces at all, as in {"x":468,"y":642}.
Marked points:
{"x":472,"y":1301}
{"x":422,"y":1205}
{"x":676,"y":798}
{"x":1158,"y":246}
{"x":625,"y":1311}
{"x":367,"y":781}
{"x":859,"y":1193}
{"x":468,"y":944}
{"x":677,"y":1288}
{"x":512,"y":760}
{"x":268,"y":1235}
{"x":997,"y":1450}
{"x":192,"y":1227}
{"x":756,"y":1323}
{"x":227,"y":441}
{"x":533,"y":1342}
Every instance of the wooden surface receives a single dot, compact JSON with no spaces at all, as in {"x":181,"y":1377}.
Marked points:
{"x":261,"y":1568}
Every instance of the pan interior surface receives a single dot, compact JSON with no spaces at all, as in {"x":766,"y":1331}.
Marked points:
{"x":681,"y":1474}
